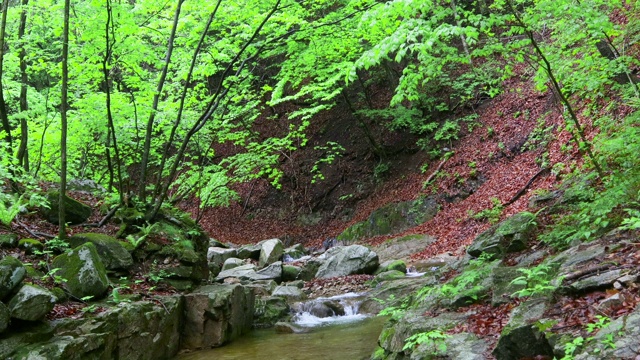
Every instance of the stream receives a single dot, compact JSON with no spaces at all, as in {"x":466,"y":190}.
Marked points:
{"x":350,"y":336}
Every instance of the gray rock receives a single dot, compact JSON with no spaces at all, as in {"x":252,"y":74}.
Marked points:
{"x":289,"y":328}
{"x":231,"y":263}
{"x":216,"y":314}
{"x":249,"y":252}
{"x":271,"y":272}
{"x":295,"y":252}
{"x":270,"y":252}
{"x":12,"y":273}
{"x":624,"y":331}
{"x":289,"y":292}
{"x":290,"y":272}
{"x":240,"y":272}
{"x":8,"y":240}
{"x":397,"y":265}
{"x":113,"y":254}
{"x":502,"y":286}
{"x":75,"y":211}
{"x":348,"y":260}
{"x":31,"y":303}
{"x":509,"y":236}
{"x":597,"y":281}
{"x":269,"y":310}
{"x":218,"y":255}
{"x":521,"y":338}
{"x":388,"y":276}
{"x":84,"y":272}
{"x":5,"y":317}
{"x":85,"y":185}
{"x":403,"y":247}
{"x":462,"y":346}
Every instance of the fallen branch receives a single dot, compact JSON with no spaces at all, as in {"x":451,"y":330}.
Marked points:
{"x":521,"y":192}
{"x":433,"y":174}
{"x":104,"y":219}
{"x":594,"y":269}
{"x":35,"y":234}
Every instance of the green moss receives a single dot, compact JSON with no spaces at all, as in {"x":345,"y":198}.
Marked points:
{"x":30,"y":246}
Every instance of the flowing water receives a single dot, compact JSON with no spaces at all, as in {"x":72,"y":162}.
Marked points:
{"x":351,"y":336}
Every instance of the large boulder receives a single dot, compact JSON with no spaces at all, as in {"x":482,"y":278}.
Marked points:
{"x":269,"y":310}
{"x":348,"y":260}
{"x":509,"y":236}
{"x":231,"y":263}
{"x":251,"y":251}
{"x":83,"y":271}
{"x":294,"y":252}
{"x":217,"y":314}
{"x":270,"y":252}
{"x":8,"y":240}
{"x":522,"y":337}
{"x":31,"y":303}
{"x":392,"y":219}
{"x":75,"y":211}
{"x":113,"y":254}
{"x":12,"y":272}
{"x":5,"y":317}
{"x":218,"y":255}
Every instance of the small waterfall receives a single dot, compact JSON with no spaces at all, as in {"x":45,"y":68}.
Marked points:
{"x":412,"y":272}
{"x":328,"y":310}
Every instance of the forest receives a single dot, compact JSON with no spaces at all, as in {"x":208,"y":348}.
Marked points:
{"x":298,"y":119}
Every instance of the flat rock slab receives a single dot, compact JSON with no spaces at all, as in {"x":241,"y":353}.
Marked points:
{"x":403,"y":247}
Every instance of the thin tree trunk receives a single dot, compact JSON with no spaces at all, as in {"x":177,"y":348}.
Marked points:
{"x":465,"y":46}
{"x":62,"y":233}
{"x":154,"y":108}
{"x":4,"y":117}
{"x":23,"y":150}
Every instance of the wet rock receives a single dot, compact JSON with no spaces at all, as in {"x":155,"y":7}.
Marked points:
{"x":8,"y":240}
{"x":397,"y":265}
{"x":217,"y":314}
{"x":113,"y":254}
{"x":84,"y":272}
{"x":269,"y":310}
{"x":270,"y":252}
{"x":388,"y":275}
{"x":75,"y":211}
{"x":348,"y":260}
{"x":12,"y":273}
{"x":295,"y":252}
{"x":521,"y":338}
{"x":31,"y":303}
{"x":509,"y":236}
{"x":289,"y":328}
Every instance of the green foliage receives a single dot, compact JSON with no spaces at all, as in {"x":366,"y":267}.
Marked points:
{"x":434,"y":338}
{"x":571,"y":347}
{"x":536,"y":281}
{"x":331,"y":152}
{"x":492,"y":214}
{"x":395,"y":311}
{"x":9,"y":212}
{"x":145,"y":230}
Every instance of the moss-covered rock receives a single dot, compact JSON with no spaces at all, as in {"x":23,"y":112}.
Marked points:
{"x":388,"y":275}
{"x":31,"y":303}
{"x":269,"y":310}
{"x":113,"y":255}
{"x":392,"y":219}
{"x":85,"y":273}
{"x":509,"y":236}
{"x":8,"y":240}
{"x":290,"y":272}
{"x":397,"y":265}
{"x":521,"y":338}
{"x":75,"y":211}
{"x":30,"y":246}
{"x":12,"y":273}
{"x":5,"y":317}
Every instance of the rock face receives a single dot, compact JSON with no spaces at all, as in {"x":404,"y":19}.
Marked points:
{"x":216,"y":314}
{"x":11,"y":274}
{"x":348,"y":260}
{"x":521,"y":338}
{"x":84,"y":271}
{"x":269,"y":310}
{"x":511,"y":235}
{"x":392,"y":219}
{"x":270,"y":252}
{"x":113,"y":254}
{"x":75,"y":211}
{"x":31,"y":303}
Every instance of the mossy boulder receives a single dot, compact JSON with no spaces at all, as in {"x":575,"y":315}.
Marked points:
{"x":522,"y":337}
{"x":389,"y":265}
{"x":271,"y":251}
{"x":387,"y":276}
{"x":12,"y":273}
{"x":348,"y":260}
{"x":392,"y":219}
{"x":31,"y":303}
{"x":114,"y":256}
{"x":5,"y":317}
{"x":30,"y":246}
{"x":75,"y":211}
{"x":509,"y":236}
{"x":84,"y":271}
{"x":8,"y":240}
{"x":269,"y":310}
{"x":290,"y":272}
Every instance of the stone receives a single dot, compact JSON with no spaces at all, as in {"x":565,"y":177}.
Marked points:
{"x":31,"y":303}
{"x":289,"y":292}
{"x":231,"y":263}
{"x":290,"y":272}
{"x":294,"y":252}
{"x":397,"y":265}
{"x":502,"y":287}
{"x":84,"y":271}
{"x":216,"y":314}
{"x":289,"y":328}
{"x":30,"y":246}
{"x":462,"y":346}
{"x":511,"y":235}
{"x":403,"y":247}
{"x":623,"y":331}
{"x":85,"y":186}
{"x":249,"y":252}
{"x":595,"y":282}
{"x":5,"y":317}
{"x":12,"y":273}
{"x":114,"y":256}
{"x":270,"y":252}
{"x":240,"y":272}
{"x":218,"y":255}
{"x":388,"y":276}
{"x":75,"y":211}
{"x":8,"y":240}
{"x":392,"y":219}
{"x":348,"y":260}
{"x":521,"y":338}
{"x":271,"y":272}
{"x":269,"y":310}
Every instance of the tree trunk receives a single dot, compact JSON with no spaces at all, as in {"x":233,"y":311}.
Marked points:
{"x":62,"y":233}
{"x":23,"y":150}
{"x":4,"y":117}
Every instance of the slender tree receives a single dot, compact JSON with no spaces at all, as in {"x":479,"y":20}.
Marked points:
{"x":62,"y":233}
{"x":4,"y":117}
{"x":23,"y":149}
